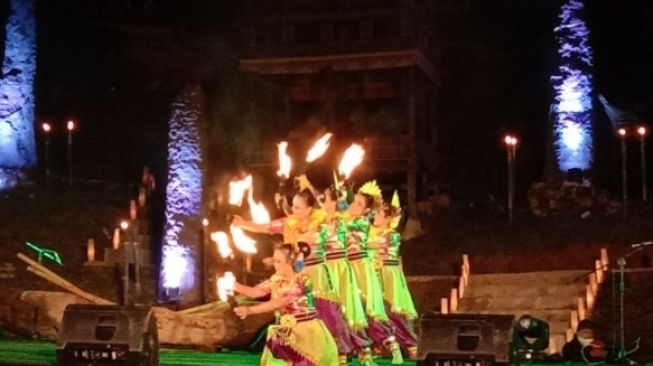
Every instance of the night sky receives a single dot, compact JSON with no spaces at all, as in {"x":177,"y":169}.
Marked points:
{"x":100,"y":63}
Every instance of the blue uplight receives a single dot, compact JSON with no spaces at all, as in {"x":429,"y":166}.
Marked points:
{"x":573,"y":90}
{"x":183,"y":193}
{"x":17,"y":146}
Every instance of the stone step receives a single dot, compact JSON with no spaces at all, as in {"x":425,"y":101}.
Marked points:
{"x":506,"y":290}
{"x":549,"y":316}
{"x":517,"y":302}
{"x":529,"y":278}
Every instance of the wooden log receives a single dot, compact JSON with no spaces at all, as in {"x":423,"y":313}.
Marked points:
{"x":59,"y":281}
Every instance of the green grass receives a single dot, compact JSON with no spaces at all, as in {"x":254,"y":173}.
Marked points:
{"x":43,"y":353}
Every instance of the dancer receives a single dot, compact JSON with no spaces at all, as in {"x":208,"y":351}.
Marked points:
{"x":398,"y":301}
{"x":300,"y":338}
{"x":356,"y":230}
{"x":342,"y":278}
{"x":302,"y":226}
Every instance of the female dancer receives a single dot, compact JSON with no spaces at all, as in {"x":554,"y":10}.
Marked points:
{"x":302,"y":226}
{"x":343,"y":280}
{"x":356,"y":230}
{"x":398,"y":301}
{"x":300,"y":338}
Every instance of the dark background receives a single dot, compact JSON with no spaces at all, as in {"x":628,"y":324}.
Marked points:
{"x":115,"y":66}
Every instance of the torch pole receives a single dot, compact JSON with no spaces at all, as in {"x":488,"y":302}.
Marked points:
{"x":70,"y":157}
{"x":47,"y":160}
{"x":642,"y":151}
{"x":511,"y":181}
{"x":624,"y":176}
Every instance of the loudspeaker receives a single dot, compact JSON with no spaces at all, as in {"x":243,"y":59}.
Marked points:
{"x":108,"y":335}
{"x":465,"y":339}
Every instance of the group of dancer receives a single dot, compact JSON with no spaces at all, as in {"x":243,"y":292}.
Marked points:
{"x":338,"y":288}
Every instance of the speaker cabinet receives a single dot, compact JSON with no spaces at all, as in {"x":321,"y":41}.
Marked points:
{"x":464,"y":339}
{"x":108,"y":335}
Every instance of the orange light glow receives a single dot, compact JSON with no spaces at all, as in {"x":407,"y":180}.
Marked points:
{"x":510,"y":140}
{"x":621,"y":131}
{"x":124,"y":224}
{"x":237,"y":190}
{"x":285,"y":163}
{"x":222,"y":241}
{"x":225,"y":286}
{"x":319,"y":148}
{"x":260,"y":214}
{"x":70,"y":125}
{"x":46,"y":127}
{"x":243,"y":242}
{"x":641,"y":130}
{"x":352,"y":158}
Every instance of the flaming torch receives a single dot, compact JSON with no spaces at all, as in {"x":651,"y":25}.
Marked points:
{"x":319,"y":148}
{"x":237,"y":190}
{"x":285,"y":164}
{"x":222,"y":241}
{"x":245,"y":244}
{"x":226,"y":285}
{"x":352,"y":158}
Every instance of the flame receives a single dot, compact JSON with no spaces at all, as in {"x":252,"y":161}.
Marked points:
{"x":237,"y":189}
{"x":319,"y":148}
{"x":260,"y":214}
{"x":284,"y":161}
{"x":226,"y":285}
{"x":243,"y":242}
{"x":222,"y":240}
{"x":352,"y":158}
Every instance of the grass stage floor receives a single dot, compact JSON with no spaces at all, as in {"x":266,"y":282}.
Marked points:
{"x":39,"y":353}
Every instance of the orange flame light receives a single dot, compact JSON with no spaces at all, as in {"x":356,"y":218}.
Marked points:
{"x":237,"y":190}
{"x":352,"y":158}
{"x":260,"y":214}
{"x":226,"y":286}
{"x":222,"y":240}
{"x":284,"y":161}
{"x":70,"y":125}
{"x":243,"y":242}
{"x":319,"y":148}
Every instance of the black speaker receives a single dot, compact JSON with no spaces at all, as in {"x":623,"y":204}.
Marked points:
{"x":464,"y":339}
{"x":108,"y":335}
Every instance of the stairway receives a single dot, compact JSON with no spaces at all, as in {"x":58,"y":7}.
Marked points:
{"x":549,"y":296}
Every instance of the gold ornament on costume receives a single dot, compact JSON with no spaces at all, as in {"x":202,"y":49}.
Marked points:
{"x":395,"y":200}
{"x":304,"y":183}
{"x":371,"y":188}
{"x":288,"y":321}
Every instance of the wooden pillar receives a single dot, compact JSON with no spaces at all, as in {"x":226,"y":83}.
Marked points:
{"x":411,"y":174}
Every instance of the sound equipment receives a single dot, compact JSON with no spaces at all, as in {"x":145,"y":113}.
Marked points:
{"x":464,"y":339}
{"x":108,"y":335}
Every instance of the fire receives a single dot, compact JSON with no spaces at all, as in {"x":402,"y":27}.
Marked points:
{"x":284,"y":161}
{"x":319,"y":148}
{"x":222,"y":240}
{"x":237,"y":189}
{"x":226,"y":286}
{"x":260,"y":214}
{"x":243,"y":242}
{"x":352,"y":158}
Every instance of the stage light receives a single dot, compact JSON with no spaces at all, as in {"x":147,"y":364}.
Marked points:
{"x":530,"y":338}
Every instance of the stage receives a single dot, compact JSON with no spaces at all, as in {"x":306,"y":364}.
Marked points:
{"x":37,"y":353}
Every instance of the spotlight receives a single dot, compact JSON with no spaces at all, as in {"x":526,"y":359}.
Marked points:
{"x":530,"y":339}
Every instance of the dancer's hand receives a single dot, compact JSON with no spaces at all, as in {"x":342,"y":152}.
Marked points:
{"x":238,"y":221}
{"x":242,"y":311}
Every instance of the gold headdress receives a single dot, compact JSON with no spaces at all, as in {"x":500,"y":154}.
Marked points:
{"x":371,"y":188}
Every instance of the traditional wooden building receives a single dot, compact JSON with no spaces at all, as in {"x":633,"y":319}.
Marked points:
{"x":364,"y":68}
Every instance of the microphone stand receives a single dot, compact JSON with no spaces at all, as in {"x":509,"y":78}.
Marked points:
{"x":621,"y":262}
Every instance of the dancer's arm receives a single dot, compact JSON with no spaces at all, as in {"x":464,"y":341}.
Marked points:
{"x":266,"y":307}
{"x":253,"y":292}
{"x":251,"y":226}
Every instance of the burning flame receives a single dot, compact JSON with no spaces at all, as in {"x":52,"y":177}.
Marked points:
{"x":284,"y":161}
{"x":237,"y":189}
{"x":319,"y":148}
{"x":243,"y":242}
{"x":226,"y":285}
{"x":352,"y":158}
{"x":222,"y":240}
{"x":260,"y":214}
